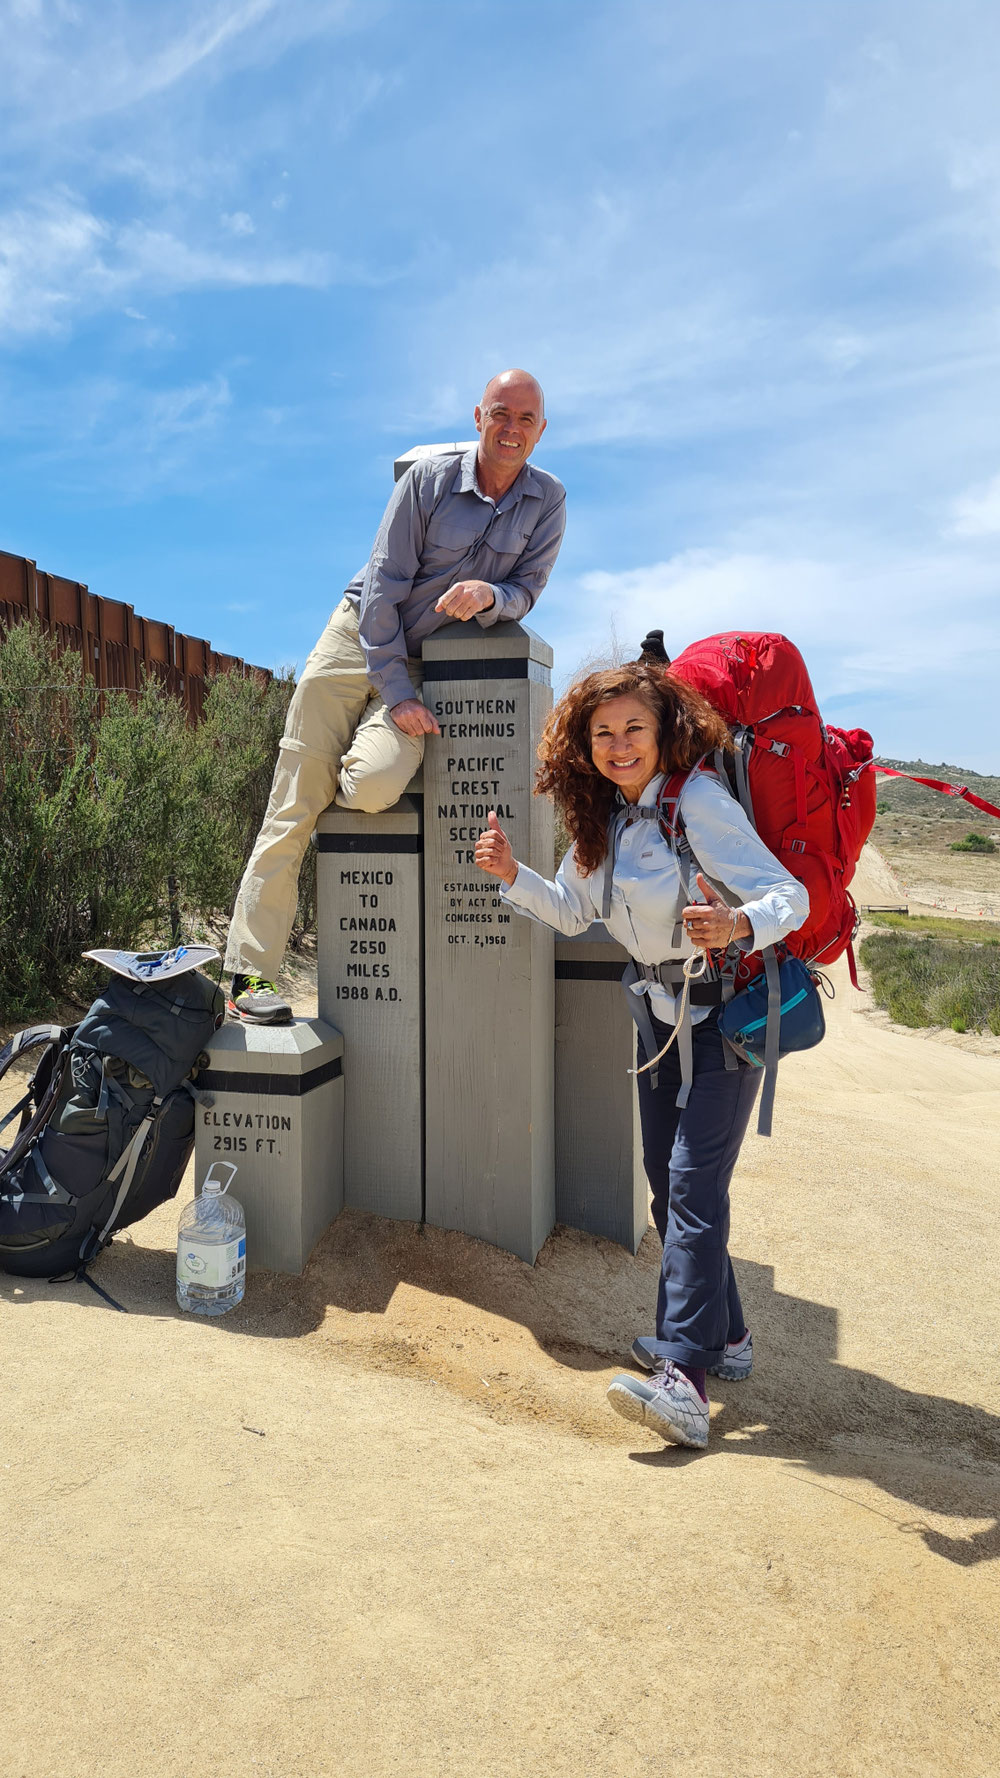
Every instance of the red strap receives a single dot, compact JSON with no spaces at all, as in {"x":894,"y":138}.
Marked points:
{"x":668,"y":804}
{"x":852,"y":966}
{"x":945,"y":789}
{"x":799,"y":762}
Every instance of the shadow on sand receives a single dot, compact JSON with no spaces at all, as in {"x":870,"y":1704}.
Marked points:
{"x":583,"y":1302}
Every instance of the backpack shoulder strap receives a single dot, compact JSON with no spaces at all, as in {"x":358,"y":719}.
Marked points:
{"x":22,"y":1041}
{"x":668,"y":807}
{"x":674,"y":832}
{"x":37,"y":1037}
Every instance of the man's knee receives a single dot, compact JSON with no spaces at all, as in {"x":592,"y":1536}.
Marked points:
{"x":378,"y":766}
{"x":367,"y":792}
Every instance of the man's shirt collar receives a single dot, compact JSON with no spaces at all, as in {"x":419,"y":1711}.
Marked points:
{"x":526,"y":487}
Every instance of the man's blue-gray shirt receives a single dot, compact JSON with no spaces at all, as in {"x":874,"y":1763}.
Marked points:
{"x":440,"y":528}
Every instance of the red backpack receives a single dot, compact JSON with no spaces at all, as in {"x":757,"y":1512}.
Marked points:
{"x":809,"y":789}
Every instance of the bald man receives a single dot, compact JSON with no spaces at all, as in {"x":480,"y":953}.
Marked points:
{"x":463,"y":536}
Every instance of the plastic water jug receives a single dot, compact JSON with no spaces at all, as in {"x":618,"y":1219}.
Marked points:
{"x":212,"y":1248}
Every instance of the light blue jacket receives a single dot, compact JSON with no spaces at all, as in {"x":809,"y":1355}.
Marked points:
{"x":647,"y":895}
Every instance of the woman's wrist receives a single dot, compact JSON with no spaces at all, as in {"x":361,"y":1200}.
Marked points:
{"x":508,"y":882}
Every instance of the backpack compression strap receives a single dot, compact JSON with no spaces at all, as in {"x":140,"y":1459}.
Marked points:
{"x":968,"y":796}
{"x":772,"y":1037}
{"x":125,"y":1167}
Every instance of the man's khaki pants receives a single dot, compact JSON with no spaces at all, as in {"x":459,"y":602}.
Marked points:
{"x":338,"y":732}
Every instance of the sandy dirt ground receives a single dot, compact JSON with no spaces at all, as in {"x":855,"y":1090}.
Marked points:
{"x":930,"y":876}
{"x":379,"y":1519}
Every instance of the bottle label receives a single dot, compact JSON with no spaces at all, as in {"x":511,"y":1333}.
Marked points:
{"x":212,"y":1265}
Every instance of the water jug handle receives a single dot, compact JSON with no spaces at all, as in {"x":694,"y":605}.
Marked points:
{"x":208,"y":1179}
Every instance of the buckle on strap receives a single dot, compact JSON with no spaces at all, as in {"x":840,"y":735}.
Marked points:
{"x":665,"y":974}
{"x":705,"y":991}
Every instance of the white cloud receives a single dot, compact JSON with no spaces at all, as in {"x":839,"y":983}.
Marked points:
{"x":58,"y":258}
{"x":717,"y":590}
{"x":196,"y":407}
{"x":844,"y":350}
{"x":870,"y":629}
{"x":977,"y":512}
{"x":105,"y":436}
{"x":91,"y":62}
{"x":238,"y":222}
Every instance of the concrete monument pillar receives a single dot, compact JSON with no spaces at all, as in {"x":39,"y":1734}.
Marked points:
{"x":488,"y":973}
{"x":370,"y":942}
{"x":277,"y":1114}
{"x":601,"y":1183}
{"x":407,"y":460}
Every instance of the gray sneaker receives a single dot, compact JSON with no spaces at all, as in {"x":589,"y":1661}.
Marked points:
{"x":257,"y":1002}
{"x":737,"y":1363}
{"x":669,"y":1405}
{"x":735,"y":1367}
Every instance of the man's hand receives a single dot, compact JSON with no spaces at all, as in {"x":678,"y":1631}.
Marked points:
{"x":494,"y":854}
{"x":465,"y":598}
{"x":414,"y":718}
{"x":711,"y":925}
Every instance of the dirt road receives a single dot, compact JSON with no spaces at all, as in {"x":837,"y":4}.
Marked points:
{"x":380,"y":1519}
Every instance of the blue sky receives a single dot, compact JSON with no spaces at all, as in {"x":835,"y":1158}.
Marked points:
{"x":249,"y":252}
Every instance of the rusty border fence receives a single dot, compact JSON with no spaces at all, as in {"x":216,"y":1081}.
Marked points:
{"x":117,"y":646}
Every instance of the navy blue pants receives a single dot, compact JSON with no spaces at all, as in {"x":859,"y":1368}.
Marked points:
{"x":689,"y":1158}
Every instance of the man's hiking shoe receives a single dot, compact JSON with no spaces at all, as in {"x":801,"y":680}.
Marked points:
{"x":669,"y":1404}
{"x":257,"y":1002}
{"x":733,"y":1368}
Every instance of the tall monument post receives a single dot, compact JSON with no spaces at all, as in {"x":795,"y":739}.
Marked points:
{"x":488,"y":973}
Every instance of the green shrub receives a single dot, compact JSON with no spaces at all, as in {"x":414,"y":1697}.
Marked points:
{"x":973,"y":842}
{"x":934,"y":981}
{"x":50,"y":823}
{"x":985,"y":932}
{"x":120,"y":824}
{"x":236,"y":747}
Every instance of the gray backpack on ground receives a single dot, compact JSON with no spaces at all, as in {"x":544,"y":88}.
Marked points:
{"x":107,"y":1122}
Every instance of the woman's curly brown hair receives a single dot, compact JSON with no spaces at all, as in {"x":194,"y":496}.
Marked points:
{"x":689,"y":728}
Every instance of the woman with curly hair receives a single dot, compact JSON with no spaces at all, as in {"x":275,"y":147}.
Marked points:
{"x":608,"y":752}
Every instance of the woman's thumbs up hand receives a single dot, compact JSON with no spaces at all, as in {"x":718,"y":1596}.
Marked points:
{"x":711,"y":924}
{"x":493,"y":852}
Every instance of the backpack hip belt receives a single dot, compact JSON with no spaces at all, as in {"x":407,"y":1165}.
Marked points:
{"x":670,"y":975}
{"x":719,"y":985}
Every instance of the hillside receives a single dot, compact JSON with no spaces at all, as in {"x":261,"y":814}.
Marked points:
{"x":913,"y":799}
{"x":915,"y":829}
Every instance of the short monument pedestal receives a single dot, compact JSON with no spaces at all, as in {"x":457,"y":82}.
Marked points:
{"x":370,"y":986}
{"x":601,"y":1184}
{"x":278,"y":1116}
